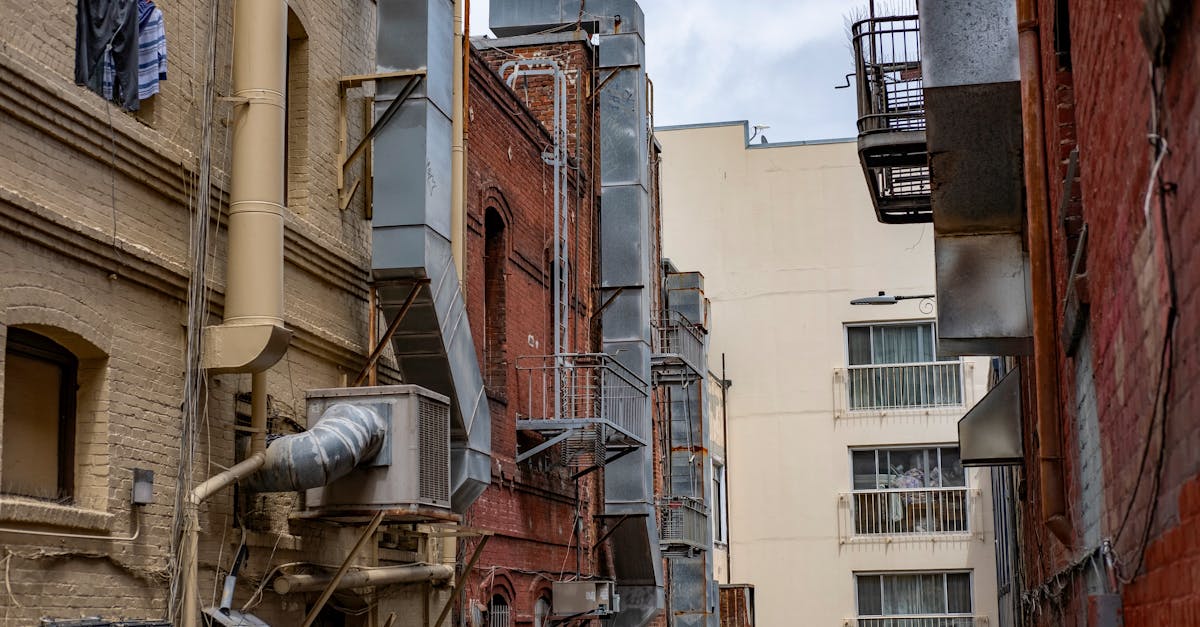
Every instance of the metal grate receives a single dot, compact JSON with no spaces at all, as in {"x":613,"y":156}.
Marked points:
{"x":683,"y":521}
{"x":677,"y":339}
{"x":434,"y":427}
{"x":498,"y":613}
{"x":585,"y":448}
{"x":891,"y":96}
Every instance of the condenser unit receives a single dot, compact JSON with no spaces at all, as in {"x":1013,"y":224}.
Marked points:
{"x":576,"y":598}
{"x":410,"y":476}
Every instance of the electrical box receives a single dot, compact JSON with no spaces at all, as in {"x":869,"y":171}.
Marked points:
{"x":410,"y":476}
{"x":571,"y":598}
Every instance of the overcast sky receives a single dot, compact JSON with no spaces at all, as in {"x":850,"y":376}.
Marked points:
{"x":771,"y":62}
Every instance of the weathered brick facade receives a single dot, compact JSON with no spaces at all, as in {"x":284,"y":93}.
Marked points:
{"x":1128,"y":394}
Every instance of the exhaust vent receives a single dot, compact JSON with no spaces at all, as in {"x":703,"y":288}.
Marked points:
{"x":434,"y":423}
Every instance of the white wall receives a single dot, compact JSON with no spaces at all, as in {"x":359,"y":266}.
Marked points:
{"x":786,"y":236}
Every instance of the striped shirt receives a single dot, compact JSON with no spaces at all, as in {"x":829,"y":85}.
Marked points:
{"x":152,"y":53}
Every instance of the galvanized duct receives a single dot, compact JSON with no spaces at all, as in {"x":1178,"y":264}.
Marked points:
{"x":346,"y":436}
{"x":412,"y":235}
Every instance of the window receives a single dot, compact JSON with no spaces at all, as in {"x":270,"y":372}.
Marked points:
{"x":295,"y":97}
{"x":40,"y":382}
{"x":895,"y":366}
{"x":909,"y":491}
{"x":498,"y":615}
{"x":494,"y":297}
{"x":935,"y":599}
{"x":720,"y":505}
{"x":541,"y":612}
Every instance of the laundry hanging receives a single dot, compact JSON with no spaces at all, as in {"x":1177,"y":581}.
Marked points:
{"x":119,"y":80}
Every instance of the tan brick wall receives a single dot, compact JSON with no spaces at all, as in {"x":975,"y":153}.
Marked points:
{"x":94,"y":227}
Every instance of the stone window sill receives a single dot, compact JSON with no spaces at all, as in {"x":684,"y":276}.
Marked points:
{"x":22,"y":512}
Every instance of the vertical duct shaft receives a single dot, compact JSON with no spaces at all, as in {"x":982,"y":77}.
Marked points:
{"x":252,"y":337}
{"x":458,"y":165}
{"x":1045,"y":349}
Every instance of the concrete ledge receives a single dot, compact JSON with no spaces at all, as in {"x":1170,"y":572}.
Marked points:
{"x":38,"y":513}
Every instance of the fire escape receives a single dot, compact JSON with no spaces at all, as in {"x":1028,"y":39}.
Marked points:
{"x":679,"y":366}
{"x":891,"y":117}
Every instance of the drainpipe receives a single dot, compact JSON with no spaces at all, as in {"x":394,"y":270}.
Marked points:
{"x":191,"y":578}
{"x":252,"y":336}
{"x":458,"y":154}
{"x":367,"y":577}
{"x":1045,"y":349}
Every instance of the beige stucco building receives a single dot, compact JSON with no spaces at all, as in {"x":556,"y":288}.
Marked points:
{"x":847,"y":503}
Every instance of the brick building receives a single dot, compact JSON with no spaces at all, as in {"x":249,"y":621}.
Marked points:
{"x":117,"y":258}
{"x":1060,"y":140}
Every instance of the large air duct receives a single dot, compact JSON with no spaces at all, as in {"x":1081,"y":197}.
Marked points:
{"x":413,"y":236}
{"x":344,"y":437}
{"x":626,"y":267}
{"x":252,"y":336}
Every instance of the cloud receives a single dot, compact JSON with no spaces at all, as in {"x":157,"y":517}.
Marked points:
{"x":766,"y":61}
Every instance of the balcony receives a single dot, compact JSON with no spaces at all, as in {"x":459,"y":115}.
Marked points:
{"x":678,"y":346}
{"x":923,"y":620}
{"x":914,"y":514}
{"x":683,"y":523}
{"x":586,"y":402}
{"x":913,"y":388}
{"x":891,"y":117}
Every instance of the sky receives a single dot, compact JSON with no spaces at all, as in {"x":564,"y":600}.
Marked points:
{"x":772,"y":62}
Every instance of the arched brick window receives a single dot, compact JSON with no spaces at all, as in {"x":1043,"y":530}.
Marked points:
{"x":494,"y":298}
{"x":498,"y":612}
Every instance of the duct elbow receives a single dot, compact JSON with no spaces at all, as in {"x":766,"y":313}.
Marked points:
{"x":344,"y":437}
{"x":244,"y":348}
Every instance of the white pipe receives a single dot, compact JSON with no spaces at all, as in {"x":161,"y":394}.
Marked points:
{"x":137,"y":531}
{"x":366,"y":577}
{"x":458,"y":148}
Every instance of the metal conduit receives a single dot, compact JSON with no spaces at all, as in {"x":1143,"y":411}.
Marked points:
{"x":345,"y":436}
{"x":383,"y":576}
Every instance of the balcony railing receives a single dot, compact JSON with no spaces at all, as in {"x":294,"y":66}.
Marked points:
{"x":678,"y":341}
{"x":575,"y":390}
{"x":924,"y":620}
{"x":683,"y":521}
{"x":919,"y":387}
{"x":891,"y":117}
{"x":913,"y":513}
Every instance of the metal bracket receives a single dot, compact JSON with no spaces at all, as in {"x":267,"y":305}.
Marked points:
{"x":545,"y":445}
{"x":344,"y":85}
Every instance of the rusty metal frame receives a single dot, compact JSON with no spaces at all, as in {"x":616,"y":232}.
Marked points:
{"x":341,"y":572}
{"x":373,"y":359}
{"x":345,"y":84}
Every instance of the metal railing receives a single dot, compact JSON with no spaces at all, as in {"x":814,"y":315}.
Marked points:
{"x":887,"y":55}
{"x":676,"y":336}
{"x":683,"y":520}
{"x":917,"y":512}
{"x":921,"y":620}
{"x":591,"y":387}
{"x":915,"y":386}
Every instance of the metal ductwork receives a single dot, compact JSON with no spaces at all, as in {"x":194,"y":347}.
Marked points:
{"x":344,"y":437}
{"x":252,"y":336}
{"x":626,"y":269}
{"x":971,"y":78}
{"x":412,"y":235}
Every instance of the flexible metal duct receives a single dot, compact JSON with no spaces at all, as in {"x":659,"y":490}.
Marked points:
{"x":346,"y":436}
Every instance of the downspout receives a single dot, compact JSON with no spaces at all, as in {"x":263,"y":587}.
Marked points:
{"x":252,"y":336}
{"x":458,"y":145}
{"x":1045,"y":349}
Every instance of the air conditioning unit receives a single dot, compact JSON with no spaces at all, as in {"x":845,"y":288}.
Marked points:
{"x":574,"y":598}
{"x":410,"y":476}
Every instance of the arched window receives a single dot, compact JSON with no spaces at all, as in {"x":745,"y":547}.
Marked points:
{"x":40,"y":384}
{"x":498,"y":614}
{"x":495,"y":256}
{"x":541,"y":612}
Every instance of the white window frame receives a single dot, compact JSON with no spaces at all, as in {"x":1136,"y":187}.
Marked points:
{"x":721,"y":502}
{"x":945,"y":593}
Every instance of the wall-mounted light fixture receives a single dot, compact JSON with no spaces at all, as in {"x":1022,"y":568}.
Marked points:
{"x":883,"y":298}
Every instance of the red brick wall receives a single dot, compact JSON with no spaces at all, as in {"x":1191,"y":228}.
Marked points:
{"x":1105,"y":105}
{"x":532,"y":507}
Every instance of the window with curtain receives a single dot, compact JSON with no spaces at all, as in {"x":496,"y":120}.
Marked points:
{"x":40,"y":384}
{"x":895,"y":365}
{"x":926,"y":599}
{"x":909,"y":490}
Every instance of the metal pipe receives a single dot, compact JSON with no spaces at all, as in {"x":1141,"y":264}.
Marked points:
{"x":137,"y":531}
{"x":1045,"y":357}
{"x":367,"y":577}
{"x":457,"y":147}
{"x":258,"y":411}
{"x":199,"y":494}
{"x":341,"y":572}
{"x":344,"y":437}
{"x":252,"y":336}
